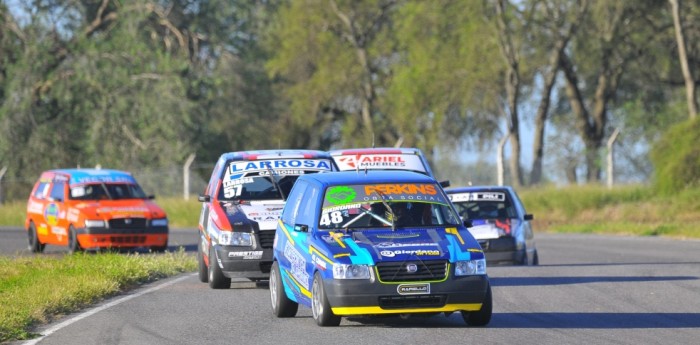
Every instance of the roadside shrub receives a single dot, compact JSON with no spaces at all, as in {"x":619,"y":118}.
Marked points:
{"x":676,"y":158}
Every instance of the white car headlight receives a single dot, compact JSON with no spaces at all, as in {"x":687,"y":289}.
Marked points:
{"x":470,"y":267}
{"x":94,"y":223}
{"x":234,"y":238}
{"x":342,"y":271}
{"x":159,"y":222}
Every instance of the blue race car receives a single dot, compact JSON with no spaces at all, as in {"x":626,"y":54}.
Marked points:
{"x":499,"y":223}
{"x":376,"y":243}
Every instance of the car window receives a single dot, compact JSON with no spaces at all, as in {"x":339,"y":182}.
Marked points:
{"x":107,"y":191}
{"x":289,"y":216}
{"x":485,"y":205}
{"x":42,"y":190}
{"x":266,"y":180}
{"x":390,"y":205}
{"x":58,"y":190}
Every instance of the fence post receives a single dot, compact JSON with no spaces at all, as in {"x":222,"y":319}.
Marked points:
{"x":500,"y":171}
{"x":186,"y":175}
{"x":2,"y":173}
{"x":611,"y":163}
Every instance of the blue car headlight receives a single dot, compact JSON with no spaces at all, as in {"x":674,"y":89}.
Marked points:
{"x":470,"y":267}
{"x":343,"y":271}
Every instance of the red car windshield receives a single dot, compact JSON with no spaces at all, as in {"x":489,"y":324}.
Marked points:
{"x":106,"y":191}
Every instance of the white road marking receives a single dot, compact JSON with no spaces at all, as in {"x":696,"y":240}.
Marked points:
{"x":90,"y":312}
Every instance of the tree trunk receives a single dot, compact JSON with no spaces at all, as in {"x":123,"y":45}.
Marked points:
{"x":512,"y":86}
{"x":683,"y":56}
{"x":550,"y":77}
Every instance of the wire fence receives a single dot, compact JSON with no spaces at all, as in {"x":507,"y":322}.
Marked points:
{"x":161,"y":182}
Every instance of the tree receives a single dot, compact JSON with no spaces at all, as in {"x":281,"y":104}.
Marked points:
{"x":612,"y":37}
{"x":332,"y":55}
{"x":444,"y":90}
{"x":558,"y":22}
{"x":683,"y":58}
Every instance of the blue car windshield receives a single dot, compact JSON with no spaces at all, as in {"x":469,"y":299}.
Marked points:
{"x":484,"y":205}
{"x":385,"y":205}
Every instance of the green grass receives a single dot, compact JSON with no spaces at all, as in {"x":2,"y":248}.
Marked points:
{"x":181,"y":213}
{"x":628,"y":210}
{"x":13,"y":213}
{"x":35,"y":289}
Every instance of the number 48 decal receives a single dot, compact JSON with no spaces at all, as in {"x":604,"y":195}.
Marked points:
{"x":333,"y":217}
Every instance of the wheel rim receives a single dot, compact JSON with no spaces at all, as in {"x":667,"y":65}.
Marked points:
{"x":211,"y":267}
{"x":273,"y":288}
{"x":317,"y":306}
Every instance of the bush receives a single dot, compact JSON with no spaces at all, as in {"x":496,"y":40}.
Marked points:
{"x":676,"y":158}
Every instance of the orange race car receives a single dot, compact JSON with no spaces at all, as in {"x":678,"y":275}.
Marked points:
{"x":93,"y":209}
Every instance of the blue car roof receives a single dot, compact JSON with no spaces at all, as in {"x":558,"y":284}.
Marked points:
{"x":272,"y":154}
{"x":370,"y":176}
{"x":78,"y":176}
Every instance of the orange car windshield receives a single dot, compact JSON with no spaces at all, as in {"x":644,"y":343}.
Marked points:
{"x":107,"y":191}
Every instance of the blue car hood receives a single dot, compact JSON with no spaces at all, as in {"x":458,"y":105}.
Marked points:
{"x":375,"y":246}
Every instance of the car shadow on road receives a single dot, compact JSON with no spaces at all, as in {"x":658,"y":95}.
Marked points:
{"x":543,"y":320}
{"x":537,"y":281}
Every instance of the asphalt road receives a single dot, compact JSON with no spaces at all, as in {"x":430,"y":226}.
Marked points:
{"x":588,"y":290}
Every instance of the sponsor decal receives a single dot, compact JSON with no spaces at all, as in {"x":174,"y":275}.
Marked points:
{"x":342,"y":208}
{"x":381,"y":161}
{"x":413,"y":289}
{"x":340,"y":195}
{"x":59,"y":231}
{"x":305,"y":164}
{"x":398,"y":235}
{"x":399,"y":245}
{"x":401,"y":189}
{"x":73,"y":215}
{"x":484,"y":232}
{"x":318,"y":262}
{"x":51,"y":214}
{"x":478,"y":196}
{"x":122,"y":210}
{"x":247,"y":255}
{"x":35,"y":207}
{"x":417,"y":252}
{"x":102,"y":178}
{"x":297,"y":264}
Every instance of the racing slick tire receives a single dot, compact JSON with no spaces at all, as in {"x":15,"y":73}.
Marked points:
{"x":34,"y":245}
{"x":282,"y":306}
{"x":202,"y":271}
{"x":483,"y":316}
{"x":321,"y":309}
{"x":73,"y":244}
{"x":217,"y":280}
{"x":535,"y":259}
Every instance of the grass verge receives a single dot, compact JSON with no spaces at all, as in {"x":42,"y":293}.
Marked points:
{"x":35,"y":289}
{"x":628,"y":210}
{"x":181,"y":213}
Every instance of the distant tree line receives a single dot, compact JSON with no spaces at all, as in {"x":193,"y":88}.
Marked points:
{"x":144,"y":83}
